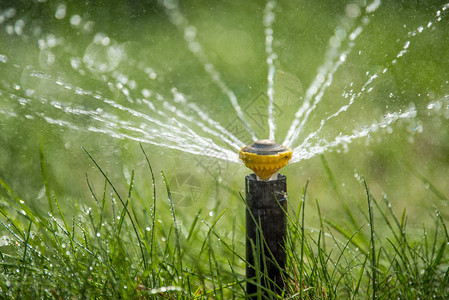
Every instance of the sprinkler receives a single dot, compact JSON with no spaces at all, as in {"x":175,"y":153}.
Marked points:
{"x":265,"y":157}
{"x":266,"y":199}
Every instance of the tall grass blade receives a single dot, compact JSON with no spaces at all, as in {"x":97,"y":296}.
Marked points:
{"x":175,"y":224}
{"x":301,"y":262}
{"x":141,"y":246}
{"x":372,"y":242}
{"x":153,"y":212}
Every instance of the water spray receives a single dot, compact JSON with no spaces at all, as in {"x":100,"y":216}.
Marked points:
{"x":266,"y":192}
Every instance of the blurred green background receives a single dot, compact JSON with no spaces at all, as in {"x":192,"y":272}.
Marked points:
{"x":104,"y":47}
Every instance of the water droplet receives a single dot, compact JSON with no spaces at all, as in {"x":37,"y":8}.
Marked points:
{"x":9,"y":29}
{"x":46,"y":58}
{"x":352,"y":11}
{"x":60,"y":11}
{"x":190,"y":33}
{"x":146,"y":93}
{"x":18,"y":26}
{"x":75,"y":20}
{"x":103,"y":55}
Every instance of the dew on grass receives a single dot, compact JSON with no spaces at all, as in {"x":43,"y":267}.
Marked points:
{"x":4,"y":241}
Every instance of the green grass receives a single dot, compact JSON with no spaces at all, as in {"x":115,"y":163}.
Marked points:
{"x":107,"y":250}
{"x":64,"y":234}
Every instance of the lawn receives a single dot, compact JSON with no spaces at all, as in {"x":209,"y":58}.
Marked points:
{"x":117,"y":120}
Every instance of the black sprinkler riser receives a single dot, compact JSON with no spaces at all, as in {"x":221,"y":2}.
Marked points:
{"x":266,"y":204}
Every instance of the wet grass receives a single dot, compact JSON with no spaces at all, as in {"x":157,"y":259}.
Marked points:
{"x":123,"y":240}
{"x":107,"y":250}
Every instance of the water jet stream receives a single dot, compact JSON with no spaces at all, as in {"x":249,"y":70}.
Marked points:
{"x":178,"y":134}
{"x":195,"y":48}
{"x":219,"y":132}
{"x":179,"y":128}
{"x":307,"y":151}
{"x":294,"y":135}
{"x":333,"y":60}
{"x":268,"y":20}
{"x":122,"y":81}
{"x":370,"y":80}
{"x":169,"y":119}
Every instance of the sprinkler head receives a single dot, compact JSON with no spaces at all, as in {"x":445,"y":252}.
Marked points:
{"x":265,"y":157}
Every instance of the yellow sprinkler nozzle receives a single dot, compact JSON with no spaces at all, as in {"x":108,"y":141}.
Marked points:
{"x":265,"y":157}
